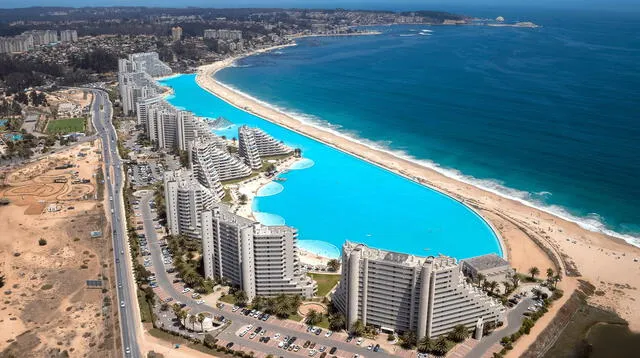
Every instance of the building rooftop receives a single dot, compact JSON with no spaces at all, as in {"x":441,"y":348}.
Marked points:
{"x":398,"y":257}
{"x":485,"y":262}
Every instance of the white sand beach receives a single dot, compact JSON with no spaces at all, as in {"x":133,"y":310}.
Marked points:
{"x":595,"y":257}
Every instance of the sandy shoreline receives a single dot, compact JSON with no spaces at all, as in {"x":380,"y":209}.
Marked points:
{"x":532,"y":237}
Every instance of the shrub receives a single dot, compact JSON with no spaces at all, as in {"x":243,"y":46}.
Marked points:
{"x":46,"y":287}
{"x":42,"y":242}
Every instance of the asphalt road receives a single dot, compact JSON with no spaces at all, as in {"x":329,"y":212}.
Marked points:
{"x":515,"y":316}
{"x":114,"y":180}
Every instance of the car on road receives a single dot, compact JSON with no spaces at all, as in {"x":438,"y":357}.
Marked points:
{"x":127,"y":350}
{"x":119,"y":284}
{"x":333,"y":350}
{"x":370,"y":347}
{"x":229,"y":345}
{"x":328,"y":334}
{"x":376,"y":348}
{"x":234,"y":308}
{"x":349,"y":338}
{"x":121,"y":303}
{"x":186,"y":289}
{"x":359,"y":341}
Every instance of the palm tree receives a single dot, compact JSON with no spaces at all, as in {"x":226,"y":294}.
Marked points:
{"x":549,"y":274}
{"x":441,"y":347}
{"x":193,"y":319}
{"x":485,"y":285}
{"x":425,"y":344}
{"x":201,"y":318}
{"x":313,"y":317}
{"x":334,"y":265}
{"x":357,"y":328}
{"x":408,"y":340}
{"x":176,"y":310}
{"x":507,"y":286}
{"x":515,"y":280}
{"x":556,"y":278}
{"x":241,"y":298}
{"x":480,"y":279}
{"x":459,"y":333}
{"x":534,"y":271}
{"x":337,"y":322}
{"x":492,"y":286}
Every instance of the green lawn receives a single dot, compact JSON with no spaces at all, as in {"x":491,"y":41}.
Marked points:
{"x":326,"y":282}
{"x":64,"y":126}
{"x":228,"y":299}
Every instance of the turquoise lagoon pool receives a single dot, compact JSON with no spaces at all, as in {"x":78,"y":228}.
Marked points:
{"x":332,"y":196}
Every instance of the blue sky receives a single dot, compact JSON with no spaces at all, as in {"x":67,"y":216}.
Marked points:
{"x":359,"y":4}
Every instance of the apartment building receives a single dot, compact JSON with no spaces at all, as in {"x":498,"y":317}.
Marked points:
{"x":255,"y":144}
{"x":16,"y":44}
{"x":185,"y":198}
{"x":223,"y":34}
{"x":68,"y":35}
{"x":176,"y":33}
{"x":261,"y":260}
{"x":150,"y":63}
{"x":400,"y":292}
{"x":205,"y":153}
{"x":248,"y":148}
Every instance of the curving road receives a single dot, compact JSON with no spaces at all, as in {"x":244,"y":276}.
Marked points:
{"x":114,"y":181}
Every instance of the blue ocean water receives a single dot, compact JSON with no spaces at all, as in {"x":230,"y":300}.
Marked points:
{"x":332,"y":196}
{"x":548,"y":116}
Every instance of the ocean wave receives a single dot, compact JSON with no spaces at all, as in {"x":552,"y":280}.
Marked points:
{"x":592,"y":222}
{"x":407,"y":35}
{"x":235,"y":64}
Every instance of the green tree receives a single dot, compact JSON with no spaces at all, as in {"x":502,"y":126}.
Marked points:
{"x":408,"y":340}
{"x":425,"y":345}
{"x":515,"y":280}
{"x":534,"y":271}
{"x":492,"y":286}
{"x":243,"y":199}
{"x":240,"y":297}
{"x":209,"y":341}
{"x":550,"y":274}
{"x":334,"y":265}
{"x":201,"y":318}
{"x":556,"y":279}
{"x":313,"y":317}
{"x":357,"y":328}
{"x":337,"y":322}
{"x":481,"y":278}
{"x":193,"y":319}
{"x":440,"y":347}
{"x":459,"y":333}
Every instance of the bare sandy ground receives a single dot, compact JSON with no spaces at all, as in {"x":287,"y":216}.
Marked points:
{"x":45,"y":292}
{"x":605,"y":261}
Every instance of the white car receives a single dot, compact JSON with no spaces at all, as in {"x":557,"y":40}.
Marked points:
{"x":186,"y":289}
{"x":121,"y":303}
{"x":127,"y":350}
{"x":359,"y":341}
{"x":328,"y":334}
{"x":276,"y":336}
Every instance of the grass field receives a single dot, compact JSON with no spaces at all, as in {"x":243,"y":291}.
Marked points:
{"x":325,"y":282}
{"x":64,"y":126}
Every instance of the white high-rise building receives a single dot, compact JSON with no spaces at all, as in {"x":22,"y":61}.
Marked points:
{"x":68,"y":36}
{"x":248,"y":149}
{"x":267,"y":145}
{"x":185,"y":199}
{"x":150,"y":63}
{"x":400,"y":292}
{"x":142,"y":110}
{"x":223,"y":34}
{"x":261,"y":260}
{"x":206,"y":153}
